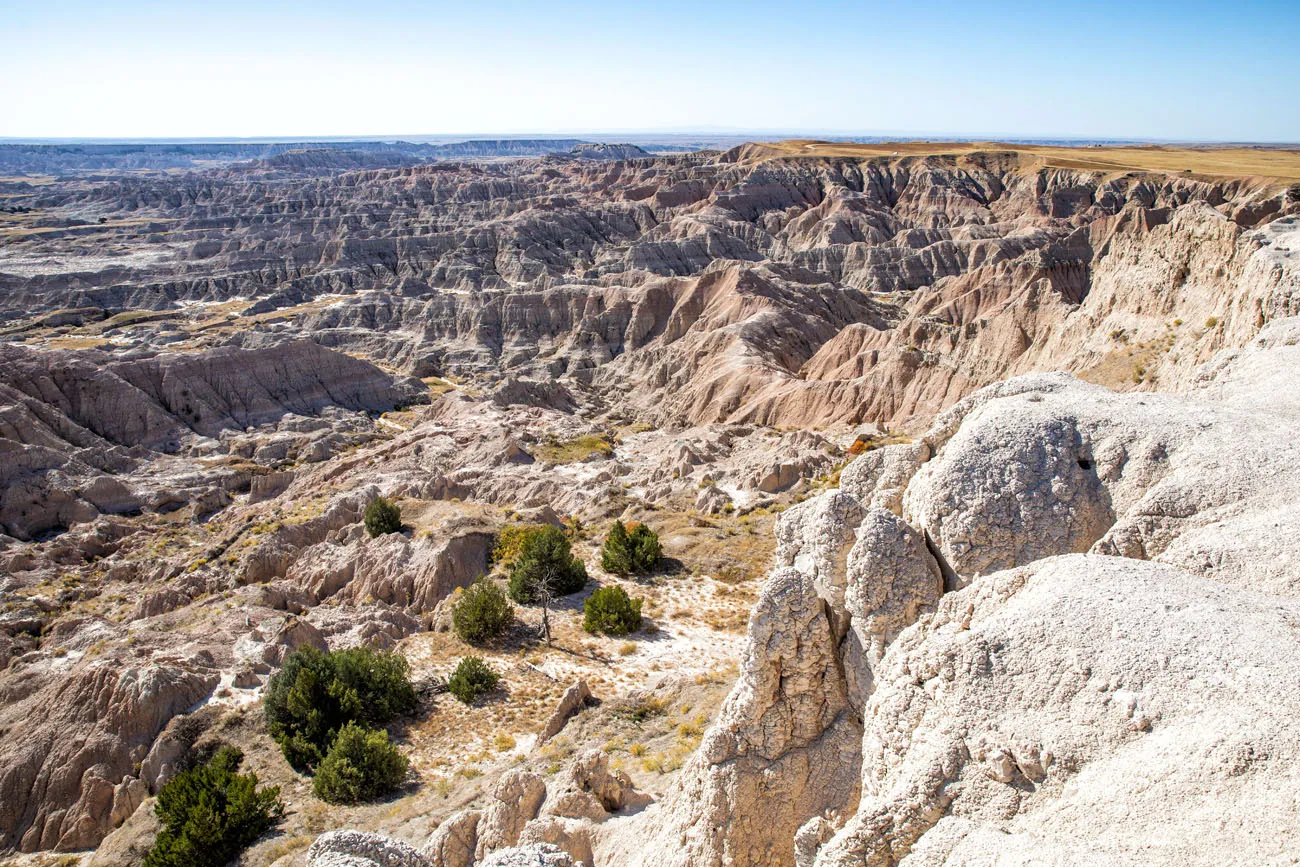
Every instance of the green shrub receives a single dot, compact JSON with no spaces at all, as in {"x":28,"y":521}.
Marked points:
{"x":545,"y":561}
{"x":315,"y":694}
{"x":482,"y":612}
{"x":362,"y":764}
{"x":473,"y":677}
{"x":210,"y":814}
{"x":510,"y":542}
{"x":610,"y":610}
{"x":628,"y":552}
{"x":382,"y":517}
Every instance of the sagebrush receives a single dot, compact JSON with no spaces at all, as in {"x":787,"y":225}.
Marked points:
{"x":472,"y":678}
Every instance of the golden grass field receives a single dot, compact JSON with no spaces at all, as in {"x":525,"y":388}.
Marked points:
{"x":1272,"y":164}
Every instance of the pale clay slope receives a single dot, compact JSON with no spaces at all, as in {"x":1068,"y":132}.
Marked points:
{"x":698,"y":290}
{"x":1074,"y":709}
{"x":1061,"y":707}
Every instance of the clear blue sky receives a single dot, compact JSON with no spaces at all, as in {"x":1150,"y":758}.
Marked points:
{"x":1224,"y":70}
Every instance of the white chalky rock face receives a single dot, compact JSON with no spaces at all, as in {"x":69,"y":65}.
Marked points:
{"x":1078,"y":711}
{"x":879,"y":477}
{"x":532,"y":855}
{"x":361,"y":849}
{"x":892,"y":580}
{"x":786,"y":739}
{"x":1060,"y":704}
{"x":815,"y":537}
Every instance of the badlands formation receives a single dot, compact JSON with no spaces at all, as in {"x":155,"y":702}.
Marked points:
{"x":975,"y":468}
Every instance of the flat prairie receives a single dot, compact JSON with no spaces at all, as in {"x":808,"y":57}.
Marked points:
{"x":1274,"y":164}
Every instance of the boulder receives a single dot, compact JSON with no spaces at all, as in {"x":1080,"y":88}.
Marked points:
{"x":454,"y":842}
{"x":532,"y":855}
{"x":572,"y":701}
{"x":361,"y":849}
{"x":588,"y":789}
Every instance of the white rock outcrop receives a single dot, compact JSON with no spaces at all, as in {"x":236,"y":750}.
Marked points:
{"x":1081,"y":710}
{"x":527,"y":818}
{"x":361,"y":849}
{"x":1110,"y":677}
{"x":532,"y":855}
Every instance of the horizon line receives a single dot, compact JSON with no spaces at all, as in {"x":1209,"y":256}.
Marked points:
{"x":730,"y":133}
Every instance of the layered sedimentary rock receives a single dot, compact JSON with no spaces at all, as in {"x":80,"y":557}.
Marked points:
{"x":1109,"y":673}
{"x":208,"y":376}
{"x":783,"y":291}
{"x":70,"y":748}
{"x":72,"y":421}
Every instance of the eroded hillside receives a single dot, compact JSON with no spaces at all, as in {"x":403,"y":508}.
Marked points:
{"x":774,"y":356}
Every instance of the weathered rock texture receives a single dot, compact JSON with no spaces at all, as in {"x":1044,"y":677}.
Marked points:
{"x":71,"y":421}
{"x":360,"y":849}
{"x":1110,"y":676}
{"x":529,"y":818}
{"x":189,"y":436}
{"x":69,"y":749}
{"x":700,"y":287}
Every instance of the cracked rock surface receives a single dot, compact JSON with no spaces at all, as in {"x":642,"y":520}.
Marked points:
{"x":1109,"y":677}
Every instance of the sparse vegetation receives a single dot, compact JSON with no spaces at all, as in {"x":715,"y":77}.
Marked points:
{"x":472,"y":678}
{"x":316,"y":694}
{"x":210,"y":814}
{"x":1223,"y":162}
{"x":361,"y":764}
{"x":640,"y":708}
{"x":865,"y":443}
{"x":510,"y":542}
{"x":382,"y":517}
{"x":630,"y":551}
{"x":545,"y":564}
{"x":579,"y":448}
{"x":482,"y":612}
{"x":611,"y":611}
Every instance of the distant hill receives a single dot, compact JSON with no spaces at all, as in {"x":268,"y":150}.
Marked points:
{"x":61,"y":158}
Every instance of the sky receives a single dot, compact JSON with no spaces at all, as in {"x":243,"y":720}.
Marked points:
{"x":1186,"y":70}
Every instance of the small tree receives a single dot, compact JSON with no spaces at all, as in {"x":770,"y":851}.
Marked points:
{"x":545,"y":556}
{"x":544,"y":570}
{"x":361,"y":765}
{"x":382,"y":517}
{"x":646,"y":551}
{"x":482,"y":612}
{"x":210,"y":814}
{"x":510,"y":542}
{"x":616,"y":556}
{"x":315,"y":694}
{"x":610,"y":610}
{"x":628,"y":552}
{"x":472,"y":678}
